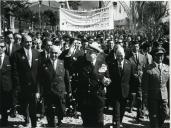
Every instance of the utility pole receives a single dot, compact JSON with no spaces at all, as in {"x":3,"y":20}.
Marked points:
{"x":100,"y":4}
{"x":40,"y":2}
{"x":0,"y":19}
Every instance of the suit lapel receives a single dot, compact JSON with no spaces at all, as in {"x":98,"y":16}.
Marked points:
{"x":156,"y":68}
{"x":5,"y":62}
{"x":124,"y":67}
{"x":133,"y":58}
{"x":140,"y":58}
{"x":117,"y":68}
{"x":13,"y":48}
{"x":58,"y":67}
{"x":33,"y":58}
{"x":50,"y":69}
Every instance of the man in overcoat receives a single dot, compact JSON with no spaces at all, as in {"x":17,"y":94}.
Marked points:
{"x":138,"y":63}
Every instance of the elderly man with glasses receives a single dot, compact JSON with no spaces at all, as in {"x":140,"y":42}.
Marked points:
{"x":5,"y":84}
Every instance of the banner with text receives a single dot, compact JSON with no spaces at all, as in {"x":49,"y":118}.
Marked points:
{"x":98,"y":19}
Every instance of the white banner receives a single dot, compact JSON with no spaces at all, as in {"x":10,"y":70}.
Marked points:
{"x":99,"y":19}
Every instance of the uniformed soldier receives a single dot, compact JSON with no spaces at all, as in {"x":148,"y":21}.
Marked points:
{"x":155,"y":91}
{"x":92,"y":77}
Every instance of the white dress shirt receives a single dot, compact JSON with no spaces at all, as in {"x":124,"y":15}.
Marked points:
{"x":28,"y":53}
{"x":94,"y":62}
{"x":10,"y":48}
{"x":54,"y":63}
{"x":2,"y":59}
{"x":120,"y":64}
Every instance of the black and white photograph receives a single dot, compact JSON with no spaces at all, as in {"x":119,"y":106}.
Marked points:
{"x":84,"y":64}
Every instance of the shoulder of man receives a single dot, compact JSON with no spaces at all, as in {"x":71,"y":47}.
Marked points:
{"x":127,"y":61}
{"x":141,"y":55}
{"x":61,"y":61}
{"x":35,"y":51}
{"x":19,"y":51}
{"x":166,"y":67}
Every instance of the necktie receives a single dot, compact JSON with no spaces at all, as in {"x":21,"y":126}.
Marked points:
{"x":120,"y":67}
{"x":54,"y":66}
{"x":160,"y":69}
{"x":136,"y":57}
{"x":10,"y":49}
{"x":146,"y":55}
{"x":29,"y":57}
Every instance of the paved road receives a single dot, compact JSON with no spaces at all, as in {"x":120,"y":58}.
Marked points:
{"x":70,"y":122}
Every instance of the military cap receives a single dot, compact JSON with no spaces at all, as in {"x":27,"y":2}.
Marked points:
{"x":134,"y":42}
{"x":94,"y":47}
{"x":158,"y":50}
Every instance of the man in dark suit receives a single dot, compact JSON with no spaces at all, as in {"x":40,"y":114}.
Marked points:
{"x":110,"y":46}
{"x":146,"y":53}
{"x":120,"y":74}
{"x":45,"y":54}
{"x":11,"y":46}
{"x":17,"y":39}
{"x":55,"y":83}
{"x":25,"y":69}
{"x":5,"y":84}
{"x":138,"y":63}
{"x":155,"y":81}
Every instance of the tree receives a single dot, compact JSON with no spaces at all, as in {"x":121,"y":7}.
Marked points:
{"x":50,"y":18}
{"x":154,"y":11}
{"x":147,"y":13}
{"x":74,"y":4}
{"x":18,"y":9}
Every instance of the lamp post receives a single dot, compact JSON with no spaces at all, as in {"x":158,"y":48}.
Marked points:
{"x":0,"y":20}
{"x":40,"y":2}
{"x":10,"y":17}
{"x":32,"y":23}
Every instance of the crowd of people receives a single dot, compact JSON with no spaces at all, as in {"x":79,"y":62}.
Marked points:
{"x":43,"y":72}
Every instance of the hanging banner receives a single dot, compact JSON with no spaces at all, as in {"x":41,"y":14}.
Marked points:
{"x":98,"y":19}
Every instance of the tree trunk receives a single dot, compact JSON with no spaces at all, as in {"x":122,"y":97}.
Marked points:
{"x":11,"y":23}
{"x":0,"y":25}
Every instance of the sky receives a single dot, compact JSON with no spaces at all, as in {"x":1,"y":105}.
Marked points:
{"x":84,"y":4}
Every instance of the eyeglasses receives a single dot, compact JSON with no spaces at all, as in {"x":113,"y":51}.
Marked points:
{"x":54,"y":53}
